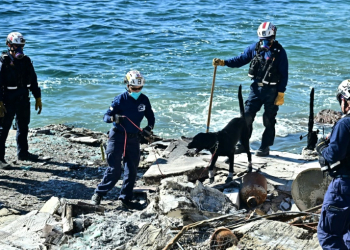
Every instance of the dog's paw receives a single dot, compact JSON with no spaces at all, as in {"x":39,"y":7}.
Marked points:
{"x":228,"y":179}
{"x":211,"y":180}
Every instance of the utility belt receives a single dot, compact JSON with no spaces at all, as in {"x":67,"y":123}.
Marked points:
{"x":129,"y":135}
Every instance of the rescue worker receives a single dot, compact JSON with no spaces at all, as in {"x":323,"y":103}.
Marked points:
{"x":334,"y":158}
{"x":269,"y":72}
{"x":126,"y":113}
{"x":17,"y":78}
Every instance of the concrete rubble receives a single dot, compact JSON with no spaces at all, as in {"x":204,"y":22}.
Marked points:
{"x":45,"y":204}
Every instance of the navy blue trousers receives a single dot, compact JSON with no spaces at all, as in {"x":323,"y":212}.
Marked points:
{"x":259,"y":96}
{"x":19,"y":108}
{"x":333,"y":228}
{"x":114,"y":152}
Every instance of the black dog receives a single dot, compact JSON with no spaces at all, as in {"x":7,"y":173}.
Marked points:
{"x":223,"y":143}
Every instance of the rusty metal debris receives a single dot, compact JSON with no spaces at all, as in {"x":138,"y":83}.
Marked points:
{"x":254,"y":189}
{"x":222,"y":239}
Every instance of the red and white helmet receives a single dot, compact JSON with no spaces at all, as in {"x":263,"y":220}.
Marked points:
{"x":15,"y":38}
{"x":134,"y":78}
{"x":266,"y":30}
{"x":343,"y":90}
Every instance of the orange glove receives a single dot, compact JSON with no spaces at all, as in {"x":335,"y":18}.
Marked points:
{"x":279,"y":99}
{"x":218,"y":62}
{"x":38,"y":104}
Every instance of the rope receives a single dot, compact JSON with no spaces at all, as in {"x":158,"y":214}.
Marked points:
{"x":126,"y":135}
{"x":132,"y":123}
{"x":155,"y":154}
{"x":141,"y":131}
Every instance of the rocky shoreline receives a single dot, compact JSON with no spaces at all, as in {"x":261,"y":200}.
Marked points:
{"x":172,"y":183}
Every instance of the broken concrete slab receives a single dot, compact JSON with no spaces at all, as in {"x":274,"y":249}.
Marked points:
{"x":268,"y":235}
{"x":175,"y":150}
{"x":29,"y":225}
{"x":193,"y":167}
{"x":174,"y":196}
{"x":7,"y":216}
{"x":279,"y":168}
{"x":179,"y":198}
{"x":210,"y":199}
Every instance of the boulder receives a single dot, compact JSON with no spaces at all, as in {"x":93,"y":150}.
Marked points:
{"x":328,"y":116}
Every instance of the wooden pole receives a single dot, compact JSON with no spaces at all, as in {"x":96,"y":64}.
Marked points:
{"x":211,"y":98}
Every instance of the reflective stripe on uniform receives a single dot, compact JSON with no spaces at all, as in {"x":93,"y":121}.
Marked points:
{"x":335,"y":164}
{"x":11,"y":87}
{"x":271,"y":83}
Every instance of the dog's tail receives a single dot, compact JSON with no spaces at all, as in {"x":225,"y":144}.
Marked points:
{"x":240,"y":100}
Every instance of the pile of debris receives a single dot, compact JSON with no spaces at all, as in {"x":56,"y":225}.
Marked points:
{"x":45,"y":205}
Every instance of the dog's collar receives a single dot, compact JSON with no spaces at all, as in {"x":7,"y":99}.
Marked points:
{"x":216,"y":145}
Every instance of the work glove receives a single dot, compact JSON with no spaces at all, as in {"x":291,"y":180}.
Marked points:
{"x":146,"y":131}
{"x":321,"y":145}
{"x":279,"y":99}
{"x":117,"y":118}
{"x":38,"y":104}
{"x":218,"y":62}
{"x":2,"y":109}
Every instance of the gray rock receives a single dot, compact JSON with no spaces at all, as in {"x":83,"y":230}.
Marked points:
{"x":328,"y":116}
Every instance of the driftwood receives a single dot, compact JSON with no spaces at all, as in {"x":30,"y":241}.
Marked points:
{"x":193,"y":225}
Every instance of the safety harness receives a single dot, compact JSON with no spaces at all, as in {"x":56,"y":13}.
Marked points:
{"x":17,"y":76}
{"x":265,"y":72}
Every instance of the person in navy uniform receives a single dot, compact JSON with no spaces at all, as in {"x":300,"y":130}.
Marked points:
{"x":17,"y":78}
{"x":269,"y":72}
{"x":334,"y":158}
{"x":126,"y":113}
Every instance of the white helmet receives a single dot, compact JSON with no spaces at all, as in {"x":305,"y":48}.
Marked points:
{"x":134,"y":78}
{"x":343,"y":90}
{"x":15,"y":38}
{"x":266,"y":29}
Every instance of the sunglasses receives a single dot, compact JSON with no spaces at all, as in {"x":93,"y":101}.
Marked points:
{"x":135,"y":89}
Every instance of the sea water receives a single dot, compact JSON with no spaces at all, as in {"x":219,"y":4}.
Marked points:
{"x":81,"y":51}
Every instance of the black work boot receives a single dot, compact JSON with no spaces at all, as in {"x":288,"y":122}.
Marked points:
{"x":263,"y":151}
{"x":96,"y":199}
{"x":132,"y":205}
{"x":28,"y":157}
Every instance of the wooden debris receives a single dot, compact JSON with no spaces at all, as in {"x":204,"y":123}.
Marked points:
{"x":86,"y":208}
{"x":67,"y":219}
{"x":51,"y":206}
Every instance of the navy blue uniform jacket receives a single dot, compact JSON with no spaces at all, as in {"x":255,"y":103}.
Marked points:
{"x":339,"y":145}
{"x":249,"y":54}
{"x":135,"y":110}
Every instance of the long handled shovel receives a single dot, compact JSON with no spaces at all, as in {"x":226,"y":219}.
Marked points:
{"x":211,"y":99}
